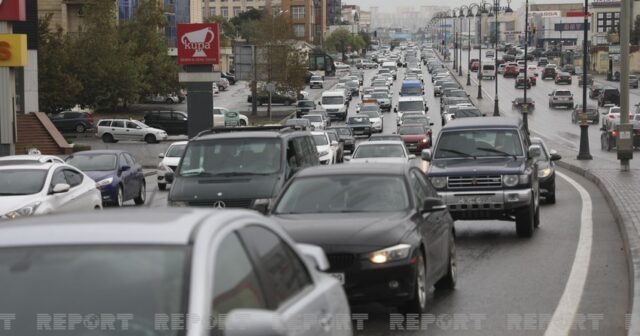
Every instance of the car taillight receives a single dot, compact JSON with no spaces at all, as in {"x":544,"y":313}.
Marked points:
{"x":611,"y":117}
{"x":89,"y":117}
{"x":555,"y":98}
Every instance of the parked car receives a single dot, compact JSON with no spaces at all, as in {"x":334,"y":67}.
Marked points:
{"x":561,"y":98}
{"x":593,"y":115}
{"x":160,"y":259}
{"x":71,"y":121}
{"x":223,"y":84}
{"x":277,"y":97}
{"x":170,"y":98}
{"x":609,"y":96}
{"x":316,"y":81}
{"x":380,"y":207}
{"x":114,"y":130}
{"x":29,"y":159}
{"x":169,"y":162}
{"x":172,"y":122}
{"x":30,"y":187}
{"x":341,"y":66}
{"x":223,"y":117}
{"x":117,"y":174}
{"x":229,"y":77}
{"x":546,"y":171}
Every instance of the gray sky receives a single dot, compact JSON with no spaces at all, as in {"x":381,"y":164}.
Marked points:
{"x":390,"y":5}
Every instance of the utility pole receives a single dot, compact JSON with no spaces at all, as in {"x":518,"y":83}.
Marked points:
{"x":584,"y":153}
{"x":625,"y":135}
{"x":525,"y":106}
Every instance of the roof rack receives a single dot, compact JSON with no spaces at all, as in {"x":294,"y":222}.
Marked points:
{"x":278,"y":128}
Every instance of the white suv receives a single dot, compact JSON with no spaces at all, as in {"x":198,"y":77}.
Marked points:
{"x":114,"y":130}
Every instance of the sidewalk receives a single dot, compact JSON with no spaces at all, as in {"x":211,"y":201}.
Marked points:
{"x":621,"y":190}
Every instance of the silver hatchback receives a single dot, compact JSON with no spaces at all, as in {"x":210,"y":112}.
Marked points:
{"x":165,"y":272}
{"x":114,"y":130}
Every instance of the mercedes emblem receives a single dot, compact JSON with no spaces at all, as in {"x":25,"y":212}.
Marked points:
{"x":219,"y":205}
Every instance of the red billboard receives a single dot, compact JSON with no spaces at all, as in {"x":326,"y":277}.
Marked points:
{"x":198,"y":43}
{"x":13,"y":10}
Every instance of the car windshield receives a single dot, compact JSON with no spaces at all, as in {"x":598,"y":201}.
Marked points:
{"x":344,"y":194}
{"x":15,"y":182}
{"x":358,"y":120}
{"x":176,"y":150}
{"x":93,"y":162}
{"x":411,"y":130}
{"x":412,"y":119}
{"x":410,"y":106}
{"x":305,"y":103}
{"x":379,"y":95}
{"x":144,"y":282}
{"x":333,"y":100}
{"x":370,"y":114}
{"x":242,"y":156}
{"x":313,"y":118}
{"x":296,"y":122}
{"x":316,"y":78}
{"x":320,"y":139}
{"x":465,"y":113}
{"x":478,"y":143}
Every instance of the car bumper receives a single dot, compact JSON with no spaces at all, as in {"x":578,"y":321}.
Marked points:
{"x":417,"y":147}
{"x":485,"y":204}
{"x":547,"y":185}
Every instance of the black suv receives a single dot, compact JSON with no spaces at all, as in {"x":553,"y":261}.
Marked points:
{"x":549,"y":72}
{"x":609,"y":96}
{"x":486,"y":168}
{"x":240,"y":168}
{"x":172,"y":122}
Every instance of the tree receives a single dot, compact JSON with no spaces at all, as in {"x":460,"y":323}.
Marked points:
{"x":366,"y":37}
{"x":144,"y":33}
{"x":109,"y":75}
{"x":57,"y":85}
{"x":252,"y":14}
{"x":229,"y":31}
{"x":338,"y":41}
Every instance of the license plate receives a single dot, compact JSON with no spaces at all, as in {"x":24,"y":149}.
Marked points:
{"x":339,"y":276}
{"x":358,"y":132}
{"x":474,"y":200}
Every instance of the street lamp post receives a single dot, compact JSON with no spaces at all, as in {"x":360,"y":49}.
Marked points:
{"x":469,"y":15}
{"x":525,"y":107}
{"x":481,"y":10}
{"x":460,"y":16}
{"x":455,"y":39}
{"x":496,"y":10}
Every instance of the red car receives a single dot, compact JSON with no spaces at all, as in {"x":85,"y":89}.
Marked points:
{"x":475,"y":66}
{"x":510,"y":71}
{"x":416,"y":137}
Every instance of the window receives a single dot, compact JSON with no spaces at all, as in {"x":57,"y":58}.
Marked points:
{"x":117,"y":123}
{"x":419,"y":188}
{"x":224,"y":11}
{"x":235,"y":282}
{"x":300,"y":145}
{"x":212,"y":11}
{"x":297,"y":12}
{"x":132,"y":125}
{"x":130,"y":160}
{"x":57,"y":178}
{"x":285,"y":274}
{"x":73,"y":177}
{"x":236,"y":11}
{"x":298,"y":30}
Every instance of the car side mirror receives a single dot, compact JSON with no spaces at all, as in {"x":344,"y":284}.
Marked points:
{"x":412,"y":156}
{"x":347,"y":158}
{"x":169,"y":177}
{"x":426,"y":154}
{"x":432,"y":204}
{"x":124,"y":168}
{"x":61,"y":188}
{"x":161,"y":156}
{"x":535,"y":151}
{"x":554,"y":155}
{"x":315,"y":256}
{"x":244,"y":322}
{"x":334,"y":143}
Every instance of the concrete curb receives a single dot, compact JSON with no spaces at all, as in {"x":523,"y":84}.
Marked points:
{"x":630,"y":235}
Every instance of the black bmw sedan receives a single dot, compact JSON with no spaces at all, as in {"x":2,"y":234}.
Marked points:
{"x":387,"y":234}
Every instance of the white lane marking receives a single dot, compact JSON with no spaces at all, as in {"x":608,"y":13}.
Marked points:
{"x":562,"y":319}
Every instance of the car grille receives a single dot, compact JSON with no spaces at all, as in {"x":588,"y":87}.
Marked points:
{"x":235,"y":203}
{"x":341,"y":260}
{"x":456,"y":182}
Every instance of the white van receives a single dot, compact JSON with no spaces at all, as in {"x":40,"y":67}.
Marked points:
{"x":410,"y":104}
{"x":488,"y":70}
{"x":335,"y":103}
{"x":393,"y":68}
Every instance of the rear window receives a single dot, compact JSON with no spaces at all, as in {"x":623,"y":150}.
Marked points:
{"x":104,"y":123}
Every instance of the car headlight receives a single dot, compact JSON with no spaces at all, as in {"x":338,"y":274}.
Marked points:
{"x":510,"y":180}
{"x":104,"y":182}
{"x":323,"y":153}
{"x":544,"y":172}
{"x":425,"y":140}
{"x":24,"y":211}
{"x":398,"y":252}
{"x":439,"y":182}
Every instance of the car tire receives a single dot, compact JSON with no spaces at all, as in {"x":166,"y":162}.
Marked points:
{"x":525,"y":222}
{"x":169,"y":101}
{"x":418,"y":303}
{"x":80,"y":128}
{"x":119,"y":197}
{"x":107,"y":138}
{"x":142,"y":194}
{"x":243,"y":123}
{"x":162,"y":186}
{"x":150,"y":139}
{"x":448,"y":281}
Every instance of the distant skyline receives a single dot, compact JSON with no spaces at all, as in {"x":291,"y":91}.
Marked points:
{"x":390,"y":6}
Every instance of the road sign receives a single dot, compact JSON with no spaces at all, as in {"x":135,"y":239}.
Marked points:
{"x":576,"y":14}
{"x":198,"y":43}
{"x":552,"y":13}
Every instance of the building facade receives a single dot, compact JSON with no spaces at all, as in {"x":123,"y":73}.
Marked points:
{"x":231,"y":8}
{"x":334,"y":12}
{"x":308,"y":18}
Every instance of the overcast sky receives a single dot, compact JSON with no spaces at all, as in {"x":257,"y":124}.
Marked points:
{"x":390,"y":5}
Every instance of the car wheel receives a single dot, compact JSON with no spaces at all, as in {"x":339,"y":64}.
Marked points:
{"x":119,"y":198}
{"x":169,"y":101}
{"x":150,"y":138}
{"x":80,"y":128}
{"x":243,"y":123}
{"x":418,"y":303}
{"x":525,"y":222}
{"x":107,"y":138}
{"x":448,"y":281}
{"x":142,"y":194}
{"x":162,"y":186}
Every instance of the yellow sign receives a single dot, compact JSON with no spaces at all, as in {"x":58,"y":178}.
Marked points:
{"x":13,"y":50}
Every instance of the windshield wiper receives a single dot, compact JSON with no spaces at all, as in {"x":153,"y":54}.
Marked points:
{"x":493,"y":150}
{"x":450,"y":150}
{"x":196,"y":174}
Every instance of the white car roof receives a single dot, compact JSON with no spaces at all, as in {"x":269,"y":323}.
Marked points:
{"x":34,"y":158}
{"x":333,"y":93}
{"x":43,"y":166}
{"x":382,"y":142}
{"x":410,"y":98}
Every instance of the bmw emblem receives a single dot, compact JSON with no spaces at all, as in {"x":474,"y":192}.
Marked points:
{"x":219,"y":205}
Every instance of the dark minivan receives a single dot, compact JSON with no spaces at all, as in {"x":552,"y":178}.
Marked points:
{"x":226,"y":168}
{"x":172,"y":122}
{"x":609,"y":96}
{"x":71,"y":121}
